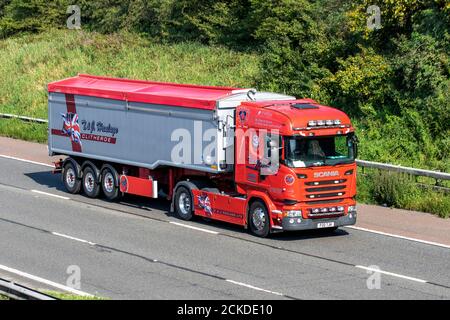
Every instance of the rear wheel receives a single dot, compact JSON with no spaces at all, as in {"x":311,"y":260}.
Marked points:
{"x":70,"y":178}
{"x":110,"y":184}
{"x":258,"y":219}
{"x":90,"y":184}
{"x":183,"y":203}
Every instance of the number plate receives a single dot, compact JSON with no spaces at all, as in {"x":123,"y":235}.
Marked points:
{"x":325,"y":225}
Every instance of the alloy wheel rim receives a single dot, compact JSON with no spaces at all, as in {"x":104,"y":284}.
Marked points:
{"x":109,"y":182}
{"x":89,"y":182}
{"x":70,"y":178}
{"x":259,"y":219}
{"x":184,"y":203}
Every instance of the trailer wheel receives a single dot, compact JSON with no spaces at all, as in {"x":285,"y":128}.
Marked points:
{"x":258,"y":219}
{"x":183,"y":203}
{"x":70,"y":179}
{"x":90,"y":183}
{"x":110,"y":184}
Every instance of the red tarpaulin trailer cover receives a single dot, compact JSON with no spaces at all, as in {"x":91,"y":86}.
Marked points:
{"x":183,"y":95}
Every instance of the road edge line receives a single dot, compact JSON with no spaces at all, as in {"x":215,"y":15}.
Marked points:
{"x":400,"y":237}
{"x":45,"y":281}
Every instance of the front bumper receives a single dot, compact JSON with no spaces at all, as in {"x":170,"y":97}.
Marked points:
{"x":309,"y":224}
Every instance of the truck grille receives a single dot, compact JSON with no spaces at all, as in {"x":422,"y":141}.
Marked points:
{"x":325,"y":182}
{"x":325,"y":214}
{"x":325,"y":189}
{"x":321,"y":189}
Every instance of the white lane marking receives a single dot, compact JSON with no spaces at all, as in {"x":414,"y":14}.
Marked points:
{"x":25,"y":160}
{"x":400,"y":237}
{"x":50,"y":194}
{"x":194,"y":228}
{"x":392,"y":274}
{"x":254,"y":288}
{"x":73,"y":238}
{"x":45,"y":281}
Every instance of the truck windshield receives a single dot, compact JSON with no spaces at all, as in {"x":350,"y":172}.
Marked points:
{"x":319,"y":151}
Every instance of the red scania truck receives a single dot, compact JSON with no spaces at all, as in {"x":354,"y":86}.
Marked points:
{"x":265,"y":161}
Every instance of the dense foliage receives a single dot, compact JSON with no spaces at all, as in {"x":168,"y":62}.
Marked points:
{"x":393,"y":81}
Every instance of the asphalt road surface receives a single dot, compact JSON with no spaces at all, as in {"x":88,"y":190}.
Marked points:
{"x":136,"y":249}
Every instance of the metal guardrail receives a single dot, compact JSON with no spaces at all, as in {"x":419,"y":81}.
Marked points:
{"x":15,"y":291}
{"x":361,"y":163}
{"x":412,"y":171}
{"x":23,"y":118}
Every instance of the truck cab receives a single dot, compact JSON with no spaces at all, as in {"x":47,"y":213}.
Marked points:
{"x":297,"y":161}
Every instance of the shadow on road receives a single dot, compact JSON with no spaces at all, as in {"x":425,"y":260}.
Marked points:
{"x":47,"y":179}
{"x":152,"y":208}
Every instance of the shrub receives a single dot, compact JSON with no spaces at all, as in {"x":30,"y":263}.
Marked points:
{"x":31,"y":15}
{"x":393,"y":189}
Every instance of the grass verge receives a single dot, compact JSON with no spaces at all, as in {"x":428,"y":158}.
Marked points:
{"x":28,"y":63}
{"x":400,"y":191}
{"x":69,"y":296}
{"x":18,"y":129}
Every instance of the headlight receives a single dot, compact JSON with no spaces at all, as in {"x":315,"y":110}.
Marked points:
{"x":337,"y":122}
{"x":340,"y":208}
{"x":352,"y":209}
{"x":294,"y":213}
{"x":329,"y":122}
{"x":312,"y":123}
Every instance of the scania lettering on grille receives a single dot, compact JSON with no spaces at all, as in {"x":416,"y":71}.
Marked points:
{"x":326,"y":174}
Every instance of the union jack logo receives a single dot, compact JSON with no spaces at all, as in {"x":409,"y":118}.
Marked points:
{"x":205,"y":204}
{"x":71,"y":127}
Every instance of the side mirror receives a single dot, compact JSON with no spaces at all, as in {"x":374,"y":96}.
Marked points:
{"x":271,"y":163}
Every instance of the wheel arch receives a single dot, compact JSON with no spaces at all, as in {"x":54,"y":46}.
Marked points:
{"x":190,"y":185}
{"x":88,"y":163}
{"x":259,"y":196}
{"x":76,"y":165}
{"x":113,"y":170}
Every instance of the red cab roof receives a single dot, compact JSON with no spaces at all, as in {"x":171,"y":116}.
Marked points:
{"x":184,"y":95}
{"x":296,"y":114}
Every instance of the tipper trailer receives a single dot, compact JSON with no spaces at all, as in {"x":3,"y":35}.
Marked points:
{"x":265,"y":161}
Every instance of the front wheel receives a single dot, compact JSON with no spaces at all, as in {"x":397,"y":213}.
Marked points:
{"x":258,"y":219}
{"x":183,"y":203}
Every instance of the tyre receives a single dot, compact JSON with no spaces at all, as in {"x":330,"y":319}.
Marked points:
{"x":70,"y":178}
{"x":90,"y":182}
{"x":258,"y":219}
{"x":184,"y":205}
{"x":110,"y":183}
